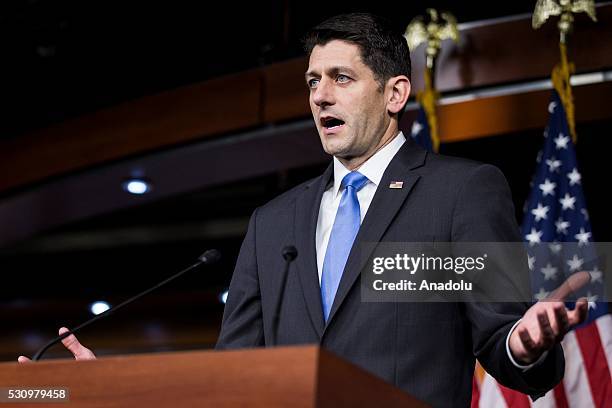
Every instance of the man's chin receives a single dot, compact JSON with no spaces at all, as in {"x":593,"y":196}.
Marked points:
{"x":342,"y":155}
{"x":335,"y":145}
{"x":336,"y":151}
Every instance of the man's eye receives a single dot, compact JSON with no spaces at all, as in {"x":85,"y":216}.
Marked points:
{"x":342,"y":78}
{"x":312,"y":83}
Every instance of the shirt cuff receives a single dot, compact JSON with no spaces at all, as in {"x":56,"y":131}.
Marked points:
{"x":517,"y":365}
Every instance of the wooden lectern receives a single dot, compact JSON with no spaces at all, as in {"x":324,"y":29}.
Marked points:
{"x":306,"y":376}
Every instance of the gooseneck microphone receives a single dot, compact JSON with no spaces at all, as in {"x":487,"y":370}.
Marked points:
{"x":289,"y":254}
{"x":209,"y":257}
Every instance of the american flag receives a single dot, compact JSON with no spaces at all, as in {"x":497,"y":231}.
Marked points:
{"x":556,"y":213}
{"x":420,"y":131}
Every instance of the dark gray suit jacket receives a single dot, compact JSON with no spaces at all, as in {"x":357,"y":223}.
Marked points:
{"x":426,"y":349}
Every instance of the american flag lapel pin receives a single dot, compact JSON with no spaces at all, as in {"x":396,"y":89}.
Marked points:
{"x":396,"y":184}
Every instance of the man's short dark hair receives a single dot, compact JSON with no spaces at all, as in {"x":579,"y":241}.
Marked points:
{"x":383,"y":49}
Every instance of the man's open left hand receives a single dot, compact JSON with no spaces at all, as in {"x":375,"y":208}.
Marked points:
{"x":546,"y":322}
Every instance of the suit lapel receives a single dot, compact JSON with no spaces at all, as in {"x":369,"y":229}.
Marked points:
{"x":306,"y":216}
{"x":383,"y":209}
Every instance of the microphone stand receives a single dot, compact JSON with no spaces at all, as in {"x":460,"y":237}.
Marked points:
{"x":207,"y":257}
{"x":289,"y":254}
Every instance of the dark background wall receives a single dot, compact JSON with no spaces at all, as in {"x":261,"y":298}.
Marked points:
{"x":64,"y":59}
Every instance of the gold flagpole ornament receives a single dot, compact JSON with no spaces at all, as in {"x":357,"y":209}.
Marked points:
{"x":566,"y":8}
{"x":437,"y":28}
{"x":561,"y":72}
{"x":432,"y":32}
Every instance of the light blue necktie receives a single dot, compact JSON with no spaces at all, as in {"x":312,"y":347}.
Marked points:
{"x":343,"y":233}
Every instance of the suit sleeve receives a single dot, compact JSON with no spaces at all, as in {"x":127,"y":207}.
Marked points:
{"x":484,"y":213}
{"x":242,"y":325}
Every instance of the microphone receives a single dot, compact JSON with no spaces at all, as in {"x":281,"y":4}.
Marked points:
{"x":209,"y":257}
{"x":289,"y":254}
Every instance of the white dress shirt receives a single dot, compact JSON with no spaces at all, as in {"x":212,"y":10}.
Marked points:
{"x":373,"y":169}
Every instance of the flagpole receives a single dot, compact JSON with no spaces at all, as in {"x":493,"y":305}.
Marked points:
{"x":431,"y":31}
{"x":562,"y":72}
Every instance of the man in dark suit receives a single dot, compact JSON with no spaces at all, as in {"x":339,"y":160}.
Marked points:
{"x":358,"y":77}
{"x":359,"y":81}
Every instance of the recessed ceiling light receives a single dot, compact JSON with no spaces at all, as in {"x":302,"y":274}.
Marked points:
{"x":99,"y":307}
{"x":137,"y":186}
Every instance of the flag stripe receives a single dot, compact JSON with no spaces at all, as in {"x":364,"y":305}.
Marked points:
{"x":475,"y":393}
{"x":490,"y":394}
{"x":546,"y":401}
{"x":596,"y":365}
{"x":604,"y":324}
{"x":575,"y":381}
{"x":560,"y":396}
{"x":514,"y":399}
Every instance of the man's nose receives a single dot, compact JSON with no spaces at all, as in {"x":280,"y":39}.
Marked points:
{"x":323,"y":94}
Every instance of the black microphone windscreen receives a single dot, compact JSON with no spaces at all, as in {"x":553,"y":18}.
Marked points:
{"x":210,"y":256}
{"x":289,"y":253}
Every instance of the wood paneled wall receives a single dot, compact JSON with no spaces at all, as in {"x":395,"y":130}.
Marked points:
{"x":489,"y":54}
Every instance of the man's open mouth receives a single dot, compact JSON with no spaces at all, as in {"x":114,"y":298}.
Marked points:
{"x":330,"y":122}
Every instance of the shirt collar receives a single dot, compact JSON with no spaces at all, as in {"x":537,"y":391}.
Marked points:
{"x":374,"y":167}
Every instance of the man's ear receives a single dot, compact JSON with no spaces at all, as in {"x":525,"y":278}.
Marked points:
{"x":399,"y":88}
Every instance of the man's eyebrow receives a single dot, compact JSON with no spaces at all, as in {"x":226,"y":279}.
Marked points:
{"x":309,"y":74}
{"x":341,"y":68}
{"x":331,"y":71}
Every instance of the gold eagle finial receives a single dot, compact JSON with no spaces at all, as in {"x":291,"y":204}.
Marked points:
{"x":565,"y":8}
{"x":439,"y":27}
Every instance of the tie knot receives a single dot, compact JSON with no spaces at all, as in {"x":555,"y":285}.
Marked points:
{"x":355,"y":180}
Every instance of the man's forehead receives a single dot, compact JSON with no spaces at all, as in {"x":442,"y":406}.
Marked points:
{"x":334,"y":54}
